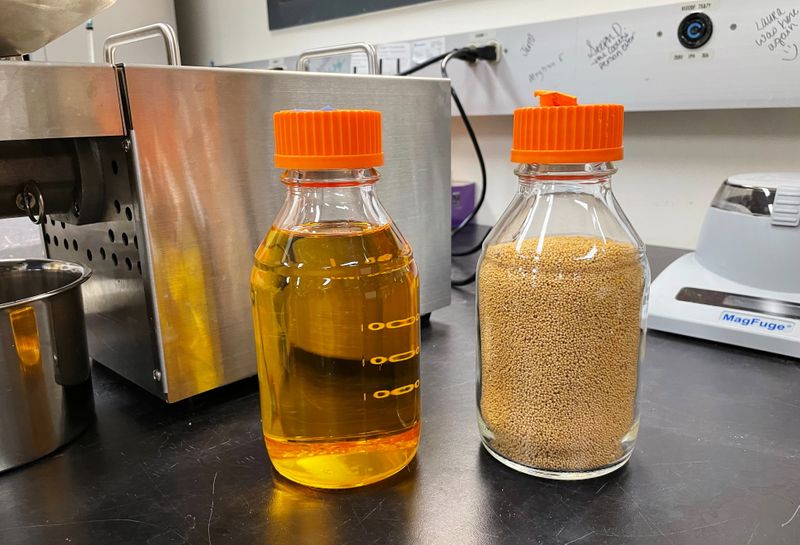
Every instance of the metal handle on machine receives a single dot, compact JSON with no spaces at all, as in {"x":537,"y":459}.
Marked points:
{"x":361,"y":47}
{"x":157,"y":30}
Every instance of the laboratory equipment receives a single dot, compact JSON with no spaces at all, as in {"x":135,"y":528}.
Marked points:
{"x":335,"y":296}
{"x":153,"y":176}
{"x":561,"y":291}
{"x":742,"y":284}
{"x":44,"y":362}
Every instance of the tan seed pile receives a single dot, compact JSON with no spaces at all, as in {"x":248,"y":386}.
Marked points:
{"x":559,"y":345}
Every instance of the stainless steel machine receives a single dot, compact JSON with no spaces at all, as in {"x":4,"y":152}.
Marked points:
{"x":160,"y":179}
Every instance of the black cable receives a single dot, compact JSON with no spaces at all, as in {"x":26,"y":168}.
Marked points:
{"x":472,"y":250}
{"x":424,"y":64}
{"x":479,"y":155}
{"x":470,"y":54}
{"x":471,"y":278}
{"x":482,"y":195}
{"x":463,"y":281}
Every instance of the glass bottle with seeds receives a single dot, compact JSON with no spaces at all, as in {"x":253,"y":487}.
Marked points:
{"x":562,"y":293}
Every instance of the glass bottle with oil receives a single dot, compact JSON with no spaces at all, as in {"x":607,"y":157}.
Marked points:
{"x":335,"y":296}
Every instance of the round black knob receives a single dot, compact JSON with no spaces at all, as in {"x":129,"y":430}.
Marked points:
{"x":695,"y":30}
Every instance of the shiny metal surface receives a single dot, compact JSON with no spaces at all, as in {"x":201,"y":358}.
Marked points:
{"x":44,"y":362}
{"x":49,"y":100}
{"x":61,"y":178}
{"x":27,"y":25}
{"x":359,"y":47}
{"x":118,"y":319}
{"x":31,"y":201}
{"x":753,"y":193}
{"x":206,"y":194}
{"x":754,"y":201}
{"x":157,"y":30}
{"x":50,"y":164}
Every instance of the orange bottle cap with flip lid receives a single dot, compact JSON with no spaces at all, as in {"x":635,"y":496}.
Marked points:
{"x":327,"y":139}
{"x":561,"y":131}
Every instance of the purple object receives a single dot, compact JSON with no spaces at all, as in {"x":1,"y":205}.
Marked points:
{"x":463,"y":201}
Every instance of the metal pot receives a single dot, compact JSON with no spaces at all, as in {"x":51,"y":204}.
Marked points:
{"x":28,"y":25}
{"x":45,"y":381}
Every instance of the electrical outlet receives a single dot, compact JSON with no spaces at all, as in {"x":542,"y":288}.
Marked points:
{"x":498,"y":47}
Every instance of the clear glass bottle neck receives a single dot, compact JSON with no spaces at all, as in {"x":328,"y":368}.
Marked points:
{"x":580,"y":177}
{"x":331,"y":196}
{"x":564,"y":199}
{"x":339,"y":178}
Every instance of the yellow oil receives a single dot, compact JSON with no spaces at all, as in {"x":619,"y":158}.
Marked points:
{"x":336,"y":314}
{"x":26,"y":336}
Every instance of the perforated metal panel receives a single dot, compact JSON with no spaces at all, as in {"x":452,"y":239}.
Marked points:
{"x":119,"y":321}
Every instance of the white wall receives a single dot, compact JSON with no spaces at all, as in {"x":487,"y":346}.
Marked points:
{"x":237,"y":31}
{"x":674,"y":160}
{"x":674,"y":163}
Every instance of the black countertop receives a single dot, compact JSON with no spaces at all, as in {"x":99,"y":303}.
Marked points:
{"x":717,"y":462}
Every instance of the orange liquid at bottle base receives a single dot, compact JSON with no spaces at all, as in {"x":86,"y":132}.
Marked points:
{"x":336,"y":312}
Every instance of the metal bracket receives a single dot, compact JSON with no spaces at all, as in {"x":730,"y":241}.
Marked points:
{"x":31,"y":199}
{"x":157,"y":30}
{"x":305,"y":57}
{"x":89,"y":197}
{"x":49,"y":165}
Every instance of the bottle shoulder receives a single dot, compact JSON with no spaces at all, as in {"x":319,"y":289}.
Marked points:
{"x":570,"y":211}
{"x":328,"y":247}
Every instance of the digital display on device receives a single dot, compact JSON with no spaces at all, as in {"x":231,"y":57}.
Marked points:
{"x":713,"y":298}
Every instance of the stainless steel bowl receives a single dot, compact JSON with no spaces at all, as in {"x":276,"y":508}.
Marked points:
{"x":27,"y":25}
{"x":45,"y":381}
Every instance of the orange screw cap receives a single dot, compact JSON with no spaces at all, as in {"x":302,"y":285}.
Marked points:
{"x":327,"y":139}
{"x":561,"y":131}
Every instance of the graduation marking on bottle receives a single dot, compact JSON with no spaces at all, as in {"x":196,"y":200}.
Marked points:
{"x":395,"y":358}
{"x":408,"y":388}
